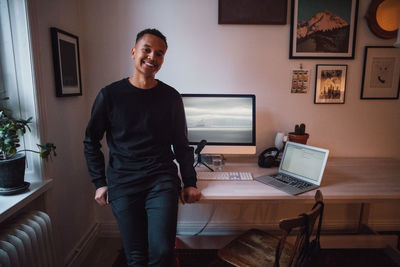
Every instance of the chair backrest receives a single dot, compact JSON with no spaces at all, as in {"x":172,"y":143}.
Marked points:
{"x":299,"y":223}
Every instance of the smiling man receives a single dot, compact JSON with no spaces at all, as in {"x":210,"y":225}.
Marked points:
{"x":142,"y":118}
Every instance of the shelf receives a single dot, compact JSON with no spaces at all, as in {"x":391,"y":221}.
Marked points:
{"x":11,"y":204}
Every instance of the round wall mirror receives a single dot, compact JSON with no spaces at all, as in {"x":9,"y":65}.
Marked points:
{"x":383,"y":18}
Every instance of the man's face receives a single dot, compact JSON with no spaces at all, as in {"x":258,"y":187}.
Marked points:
{"x":148,"y":54}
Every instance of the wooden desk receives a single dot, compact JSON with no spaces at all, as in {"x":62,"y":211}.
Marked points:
{"x":357,"y":192}
{"x":346,"y":180}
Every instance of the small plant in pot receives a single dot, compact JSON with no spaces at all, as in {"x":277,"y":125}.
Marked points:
{"x":12,"y":161}
{"x":299,"y":135}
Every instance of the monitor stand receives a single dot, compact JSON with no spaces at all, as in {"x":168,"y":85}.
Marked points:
{"x":200,"y":161}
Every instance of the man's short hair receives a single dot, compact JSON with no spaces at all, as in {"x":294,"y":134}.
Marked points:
{"x":154,"y":32}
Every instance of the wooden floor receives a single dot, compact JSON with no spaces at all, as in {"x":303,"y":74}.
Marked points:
{"x":103,"y":253}
{"x":106,"y":249}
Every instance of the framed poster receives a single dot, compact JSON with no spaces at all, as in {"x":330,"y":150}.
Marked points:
{"x":381,"y":73}
{"x":300,"y":81}
{"x":252,"y":11}
{"x":330,"y":84}
{"x":323,"y":29}
{"x":67,"y":70}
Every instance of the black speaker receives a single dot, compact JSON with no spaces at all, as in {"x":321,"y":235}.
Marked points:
{"x":269,"y":158}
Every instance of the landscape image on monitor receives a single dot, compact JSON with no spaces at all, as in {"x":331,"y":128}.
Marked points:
{"x":219,"y":119}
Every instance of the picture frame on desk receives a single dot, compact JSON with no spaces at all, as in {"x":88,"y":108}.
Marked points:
{"x":330,"y":84}
{"x":381,"y":73}
{"x":323,"y":29}
{"x":67,"y":70}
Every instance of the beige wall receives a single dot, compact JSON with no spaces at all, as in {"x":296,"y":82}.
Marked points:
{"x":62,"y":120}
{"x":203,"y":57}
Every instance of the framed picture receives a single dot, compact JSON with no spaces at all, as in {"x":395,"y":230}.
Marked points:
{"x":67,"y":70}
{"x":252,"y":11}
{"x":300,"y":81}
{"x":381,"y":74}
{"x":330,"y":84}
{"x":323,"y":29}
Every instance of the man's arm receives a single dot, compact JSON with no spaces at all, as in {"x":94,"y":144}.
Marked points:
{"x":92,"y":147}
{"x":184,"y":156}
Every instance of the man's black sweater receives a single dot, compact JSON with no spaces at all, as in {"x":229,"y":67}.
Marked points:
{"x":140,"y":126}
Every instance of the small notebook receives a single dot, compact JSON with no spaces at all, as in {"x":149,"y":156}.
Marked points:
{"x":301,"y":169}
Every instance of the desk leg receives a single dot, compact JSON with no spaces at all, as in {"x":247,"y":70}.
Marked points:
{"x":363,"y":220}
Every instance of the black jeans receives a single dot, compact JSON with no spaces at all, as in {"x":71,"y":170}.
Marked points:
{"x":147,"y":223}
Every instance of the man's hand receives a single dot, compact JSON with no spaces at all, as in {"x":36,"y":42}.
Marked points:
{"x":190,"y":195}
{"x":101,"y":196}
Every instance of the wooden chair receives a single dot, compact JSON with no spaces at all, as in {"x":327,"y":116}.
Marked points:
{"x":257,"y":248}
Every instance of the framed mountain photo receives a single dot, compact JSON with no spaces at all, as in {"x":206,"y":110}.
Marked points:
{"x":323,"y":29}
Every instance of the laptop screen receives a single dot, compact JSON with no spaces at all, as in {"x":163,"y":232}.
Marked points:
{"x":304,"y":161}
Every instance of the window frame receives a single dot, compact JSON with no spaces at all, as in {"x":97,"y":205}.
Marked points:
{"x":18,"y":77}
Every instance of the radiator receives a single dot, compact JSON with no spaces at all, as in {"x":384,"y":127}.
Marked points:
{"x":27,"y":241}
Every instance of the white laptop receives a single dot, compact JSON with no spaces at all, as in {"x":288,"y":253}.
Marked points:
{"x":300,"y":170}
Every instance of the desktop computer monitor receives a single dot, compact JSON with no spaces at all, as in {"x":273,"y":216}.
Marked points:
{"x":226,"y":121}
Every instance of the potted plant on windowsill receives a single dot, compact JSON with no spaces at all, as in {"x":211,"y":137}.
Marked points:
{"x":299,"y":135}
{"x":12,"y":161}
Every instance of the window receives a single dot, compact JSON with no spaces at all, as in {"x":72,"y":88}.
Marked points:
{"x":17,"y":76}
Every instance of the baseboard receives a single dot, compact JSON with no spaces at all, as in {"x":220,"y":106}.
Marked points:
{"x":350,"y":241}
{"x":215,"y":236}
{"x":384,"y":225}
{"x":110,"y":229}
{"x":83,"y":247}
{"x":210,"y":229}
{"x":203,"y":242}
{"x":218,"y":228}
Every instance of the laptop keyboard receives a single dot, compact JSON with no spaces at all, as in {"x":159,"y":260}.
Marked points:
{"x":291,"y":181}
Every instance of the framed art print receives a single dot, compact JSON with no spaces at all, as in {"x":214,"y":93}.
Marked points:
{"x":323,"y":29}
{"x":381,"y":73}
{"x":67,"y":70}
{"x":330,"y":84}
{"x":252,"y":11}
{"x":300,"y":81}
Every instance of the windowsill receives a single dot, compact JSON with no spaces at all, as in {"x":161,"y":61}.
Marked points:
{"x":11,"y":204}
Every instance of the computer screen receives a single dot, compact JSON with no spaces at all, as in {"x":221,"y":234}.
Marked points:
{"x":305,"y":161}
{"x":226,"y":122}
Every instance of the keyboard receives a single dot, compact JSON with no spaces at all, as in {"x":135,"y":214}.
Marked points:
{"x":225,"y":176}
{"x":291,"y":180}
